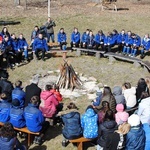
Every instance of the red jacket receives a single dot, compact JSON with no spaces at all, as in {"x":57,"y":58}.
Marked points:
{"x":57,"y":95}
{"x":48,"y":104}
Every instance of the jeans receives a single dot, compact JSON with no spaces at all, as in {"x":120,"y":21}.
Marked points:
{"x":50,"y":35}
{"x":99,"y":147}
{"x":133,"y":52}
{"x":126,"y":49}
{"x":63,"y":46}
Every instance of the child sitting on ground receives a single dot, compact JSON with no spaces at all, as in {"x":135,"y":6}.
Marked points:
{"x":121,"y":116}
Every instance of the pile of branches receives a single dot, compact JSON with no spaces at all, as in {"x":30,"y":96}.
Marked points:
{"x":68,"y":78}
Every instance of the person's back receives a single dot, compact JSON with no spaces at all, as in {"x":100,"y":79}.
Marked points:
{"x":18,"y":93}
{"x":32,"y":90}
{"x":89,"y":123}
{"x":4,"y":108}
{"x":135,"y":139}
{"x":33,"y":116}
{"x":71,"y":119}
{"x":17,"y":115}
{"x":117,"y":92}
{"x":6,"y":85}
{"x":105,"y":128}
{"x":48,"y":102}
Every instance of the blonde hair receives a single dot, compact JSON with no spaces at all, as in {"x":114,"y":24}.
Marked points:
{"x":123,"y":128}
{"x":147,"y":80}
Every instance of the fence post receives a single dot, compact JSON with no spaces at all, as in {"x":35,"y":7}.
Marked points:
{"x":49,"y":7}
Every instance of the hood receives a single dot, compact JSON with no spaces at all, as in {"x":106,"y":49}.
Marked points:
{"x":117,"y":91}
{"x":109,"y":124}
{"x":90,"y":112}
{"x":120,"y":107}
{"x":70,"y":114}
{"x":45,"y":95}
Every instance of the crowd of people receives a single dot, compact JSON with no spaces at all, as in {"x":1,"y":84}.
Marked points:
{"x":117,"y":118}
{"x":15,"y":49}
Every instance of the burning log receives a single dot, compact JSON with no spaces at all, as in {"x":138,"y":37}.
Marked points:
{"x":68,"y":79}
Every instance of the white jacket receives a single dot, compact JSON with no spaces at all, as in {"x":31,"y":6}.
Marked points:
{"x":144,"y":110}
{"x":130,"y":97}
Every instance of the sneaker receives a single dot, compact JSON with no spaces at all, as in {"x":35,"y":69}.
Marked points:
{"x":38,"y":140}
{"x":35,"y":140}
{"x":65,"y":143}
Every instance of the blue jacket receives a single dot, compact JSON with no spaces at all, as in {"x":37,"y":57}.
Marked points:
{"x":75,"y":37}
{"x":146,"y":43}
{"x":109,"y":40}
{"x":72,"y":127}
{"x":137,"y":41}
{"x":121,"y":38}
{"x":90,"y":40}
{"x":34,"y":118}
{"x":128,"y":40}
{"x":7,"y":143}
{"x":17,"y":117}
{"x":7,"y":44}
{"x":22,"y":43}
{"x":2,"y":47}
{"x":89,"y":123}
{"x":14,"y":44}
{"x":99,"y":38}
{"x":146,"y":128}
{"x":40,"y":43}
{"x":4,"y":111}
{"x":61,"y":37}
{"x":19,"y":94}
{"x":135,"y":139}
{"x":84,"y":37}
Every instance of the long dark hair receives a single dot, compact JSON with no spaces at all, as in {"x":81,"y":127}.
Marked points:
{"x":109,"y":115}
{"x":7,"y":131}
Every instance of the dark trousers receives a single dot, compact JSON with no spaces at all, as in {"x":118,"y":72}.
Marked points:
{"x":83,"y":45}
{"x":97,"y":45}
{"x":120,"y":47}
{"x":74,"y":44}
{"x":39,"y":50}
{"x":18,"y":56}
{"x":107,"y":48}
{"x":50,"y":35}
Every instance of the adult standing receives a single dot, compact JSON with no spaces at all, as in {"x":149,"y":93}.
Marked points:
{"x":50,"y":30}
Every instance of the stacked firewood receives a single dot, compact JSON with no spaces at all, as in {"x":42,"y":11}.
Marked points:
{"x":68,"y":78}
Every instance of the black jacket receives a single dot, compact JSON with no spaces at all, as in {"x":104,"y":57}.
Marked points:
{"x":105,"y":129}
{"x":6,"y":87}
{"x":31,"y":90}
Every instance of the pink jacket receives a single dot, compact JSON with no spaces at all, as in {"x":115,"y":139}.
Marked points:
{"x":48,"y":104}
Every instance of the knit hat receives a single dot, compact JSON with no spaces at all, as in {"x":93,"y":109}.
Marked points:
{"x":120,"y":107}
{"x":15,"y":102}
{"x":134,"y":120}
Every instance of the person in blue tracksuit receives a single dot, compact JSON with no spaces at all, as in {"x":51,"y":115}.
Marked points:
{"x":17,"y":115}
{"x":109,"y":42}
{"x":84,"y":39}
{"x":15,"y":47}
{"x":4,"y":109}
{"x":115,"y":36}
{"x":136,"y":44}
{"x":34,"y":35}
{"x":62,"y":39}
{"x":18,"y":93}
{"x":99,"y":40}
{"x":121,"y":40}
{"x":34,"y":119}
{"x":128,"y":43}
{"x":145,"y":44}
{"x":75,"y":38}
{"x":89,"y":123}
{"x":23,"y":45}
{"x":90,"y":40}
{"x":40,"y":44}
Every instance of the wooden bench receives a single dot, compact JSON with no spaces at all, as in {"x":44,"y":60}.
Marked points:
{"x":25,"y":130}
{"x":80,"y":141}
{"x":97,"y":52}
{"x":55,"y":44}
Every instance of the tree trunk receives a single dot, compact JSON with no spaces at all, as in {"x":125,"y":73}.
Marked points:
{"x":49,"y":7}
{"x":16,"y":2}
